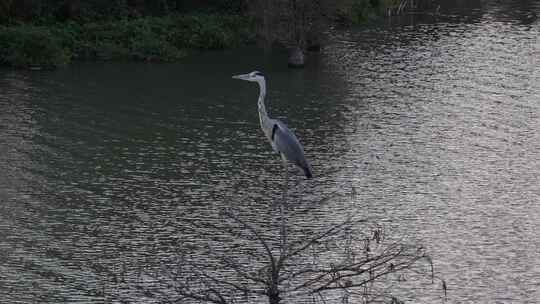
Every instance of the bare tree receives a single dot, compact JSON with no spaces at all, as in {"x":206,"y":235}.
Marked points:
{"x":235,"y":261}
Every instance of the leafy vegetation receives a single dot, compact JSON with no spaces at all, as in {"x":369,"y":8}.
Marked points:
{"x":51,"y":33}
{"x":30,"y":46}
{"x":83,"y":11}
{"x":361,"y":11}
{"x":146,"y":39}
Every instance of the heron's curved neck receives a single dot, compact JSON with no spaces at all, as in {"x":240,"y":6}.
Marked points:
{"x":262,"y":94}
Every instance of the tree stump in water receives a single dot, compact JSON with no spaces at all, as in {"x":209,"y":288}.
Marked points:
{"x":297,"y":59}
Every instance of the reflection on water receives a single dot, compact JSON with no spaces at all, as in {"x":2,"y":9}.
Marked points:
{"x":432,"y":119}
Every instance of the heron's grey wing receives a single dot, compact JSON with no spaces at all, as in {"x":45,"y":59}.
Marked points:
{"x":286,"y":143}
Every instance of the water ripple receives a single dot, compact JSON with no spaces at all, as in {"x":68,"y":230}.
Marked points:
{"x":435,"y":125}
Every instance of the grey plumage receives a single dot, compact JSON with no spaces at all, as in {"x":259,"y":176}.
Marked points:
{"x":281,"y":138}
{"x":287,"y":144}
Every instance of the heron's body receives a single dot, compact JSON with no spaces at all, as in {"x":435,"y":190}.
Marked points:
{"x":281,"y":138}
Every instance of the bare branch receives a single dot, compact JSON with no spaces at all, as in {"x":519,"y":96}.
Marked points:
{"x":257,"y":236}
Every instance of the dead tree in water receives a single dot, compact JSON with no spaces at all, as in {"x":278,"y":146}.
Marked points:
{"x":237,"y":261}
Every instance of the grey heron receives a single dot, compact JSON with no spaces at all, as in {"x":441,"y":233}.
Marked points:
{"x":281,"y":138}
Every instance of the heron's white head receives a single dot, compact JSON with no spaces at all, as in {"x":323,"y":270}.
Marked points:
{"x":254,"y":76}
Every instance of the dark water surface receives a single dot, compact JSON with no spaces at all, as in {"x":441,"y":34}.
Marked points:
{"x":434,"y":121}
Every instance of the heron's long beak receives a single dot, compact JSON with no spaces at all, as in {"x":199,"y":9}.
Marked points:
{"x":241,"y":76}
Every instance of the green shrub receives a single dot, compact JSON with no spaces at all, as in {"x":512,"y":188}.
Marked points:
{"x":152,"y":48}
{"x":147,"y":39}
{"x":361,"y":11}
{"x":31,"y":46}
{"x":209,"y":31}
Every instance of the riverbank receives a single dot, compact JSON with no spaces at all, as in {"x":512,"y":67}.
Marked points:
{"x":47,"y":40}
{"x":167,"y":38}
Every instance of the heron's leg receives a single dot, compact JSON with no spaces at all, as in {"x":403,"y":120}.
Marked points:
{"x":285,"y":181}
{"x":282,"y":205}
